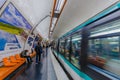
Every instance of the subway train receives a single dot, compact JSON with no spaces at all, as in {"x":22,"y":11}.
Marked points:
{"x":92,"y":47}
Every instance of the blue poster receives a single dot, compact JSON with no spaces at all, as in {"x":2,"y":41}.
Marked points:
{"x":8,"y":41}
{"x":13,"y":16}
{"x":35,"y":41}
{"x":2,"y":3}
{"x":30,"y":41}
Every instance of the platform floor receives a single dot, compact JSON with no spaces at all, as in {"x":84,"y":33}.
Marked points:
{"x":42,"y":71}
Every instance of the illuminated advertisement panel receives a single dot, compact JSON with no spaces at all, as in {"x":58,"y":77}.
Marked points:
{"x":8,"y":43}
{"x":13,"y":16}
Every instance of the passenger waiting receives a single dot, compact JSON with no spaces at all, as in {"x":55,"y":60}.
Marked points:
{"x":25,"y":54}
{"x":39,"y":51}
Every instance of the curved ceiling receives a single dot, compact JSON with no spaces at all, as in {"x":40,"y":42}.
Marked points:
{"x":74,"y":13}
{"x":34,"y":11}
{"x":77,"y":12}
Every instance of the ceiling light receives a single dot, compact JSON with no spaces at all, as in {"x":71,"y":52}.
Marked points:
{"x":52,"y":27}
{"x":54,"y":20}
{"x":59,"y":5}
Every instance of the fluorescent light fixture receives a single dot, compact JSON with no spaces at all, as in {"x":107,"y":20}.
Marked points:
{"x":54,"y":20}
{"x":107,"y":27}
{"x":76,"y":39}
{"x":50,"y":33}
{"x":113,"y":27}
{"x":77,"y":36}
{"x":59,"y":5}
{"x":101,"y":30}
{"x":52,"y":27}
{"x":104,"y":33}
{"x":53,"y":23}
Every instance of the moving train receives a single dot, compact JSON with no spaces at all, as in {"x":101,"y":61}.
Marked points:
{"x":93,"y":45}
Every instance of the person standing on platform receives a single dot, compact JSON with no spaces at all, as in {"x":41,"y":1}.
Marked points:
{"x":39,"y":51}
{"x":47,"y":46}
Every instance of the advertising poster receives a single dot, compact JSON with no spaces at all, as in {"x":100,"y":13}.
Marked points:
{"x":29,"y":42}
{"x":5,"y":26}
{"x":14,"y":17}
{"x":2,"y":3}
{"x":8,"y":41}
{"x":35,"y":41}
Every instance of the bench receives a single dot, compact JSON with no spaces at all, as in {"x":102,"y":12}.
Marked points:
{"x":10,"y":66}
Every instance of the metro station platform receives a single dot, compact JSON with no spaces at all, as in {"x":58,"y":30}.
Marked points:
{"x":47,"y":69}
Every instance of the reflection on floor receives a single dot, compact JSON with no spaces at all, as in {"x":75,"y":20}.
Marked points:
{"x":39,"y":71}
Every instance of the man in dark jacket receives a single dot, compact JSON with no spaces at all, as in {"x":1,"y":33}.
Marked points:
{"x":38,"y":50}
{"x":24,"y":54}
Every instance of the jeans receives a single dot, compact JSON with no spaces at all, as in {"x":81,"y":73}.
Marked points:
{"x":29,"y":59}
{"x":38,"y":57}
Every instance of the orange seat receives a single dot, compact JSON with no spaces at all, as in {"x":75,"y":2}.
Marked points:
{"x":7,"y":63}
{"x":12,"y":59}
{"x":32,"y":54}
{"x":19,"y":58}
{"x":8,"y":68}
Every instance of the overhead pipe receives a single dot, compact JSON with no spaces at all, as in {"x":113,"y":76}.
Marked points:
{"x":58,"y":16}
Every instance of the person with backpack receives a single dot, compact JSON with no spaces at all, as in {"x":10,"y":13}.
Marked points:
{"x":39,"y":51}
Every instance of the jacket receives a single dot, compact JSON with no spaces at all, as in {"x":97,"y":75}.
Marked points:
{"x":38,"y":49}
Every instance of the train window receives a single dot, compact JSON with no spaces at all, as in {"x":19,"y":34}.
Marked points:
{"x":104,"y":49}
{"x":94,"y":47}
{"x":55,"y":44}
{"x":105,"y":53}
{"x":76,"y":42}
{"x":108,"y":28}
{"x":61,"y":46}
{"x":110,"y":47}
{"x":67,"y":48}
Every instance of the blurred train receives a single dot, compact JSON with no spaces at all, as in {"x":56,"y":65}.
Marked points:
{"x":93,"y":45}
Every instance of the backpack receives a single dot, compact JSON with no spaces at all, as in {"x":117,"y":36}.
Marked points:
{"x":38,"y":49}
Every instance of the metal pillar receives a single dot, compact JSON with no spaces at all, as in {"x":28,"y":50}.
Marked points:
{"x":84,"y":50}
